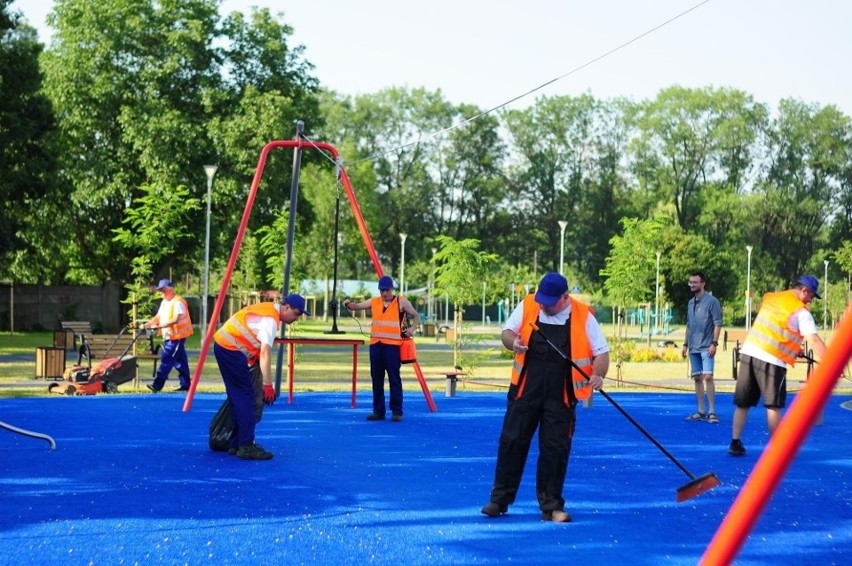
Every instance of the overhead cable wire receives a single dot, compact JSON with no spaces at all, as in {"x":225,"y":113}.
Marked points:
{"x":536,"y":89}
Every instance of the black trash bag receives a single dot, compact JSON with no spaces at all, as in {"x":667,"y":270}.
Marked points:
{"x":222,"y":425}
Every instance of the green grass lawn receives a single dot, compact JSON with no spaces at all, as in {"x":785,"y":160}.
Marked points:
{"x":330,"y":368}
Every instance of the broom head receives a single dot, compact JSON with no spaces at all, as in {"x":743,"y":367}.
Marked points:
{"x":697,"y":487}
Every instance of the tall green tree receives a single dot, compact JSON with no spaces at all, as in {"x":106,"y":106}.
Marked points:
{"x":567,"y":169}
{"x":127,"y":80}
{"x":151,"y":91}
{"x":808,"y":152}
{"x":689,"y":139}
{"x":388,"y":129}
{"x":30,"y":230}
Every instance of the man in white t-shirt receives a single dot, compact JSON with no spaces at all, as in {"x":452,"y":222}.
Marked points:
{"x":776,"y":338}
{"x":244,"y":340}
{"x":175,"y":326}
{"x":544,"y":331}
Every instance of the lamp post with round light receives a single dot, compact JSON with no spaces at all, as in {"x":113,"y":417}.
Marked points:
{"x":562,"y":225}
{"x":210,"y":170}
{"x":402,"y":237}
{"x":657,"y":297}
{"x":825,"y":297}
{"x":748,"y":289}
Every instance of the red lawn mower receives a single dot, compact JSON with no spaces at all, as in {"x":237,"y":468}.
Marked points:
{"x":103,"y":377}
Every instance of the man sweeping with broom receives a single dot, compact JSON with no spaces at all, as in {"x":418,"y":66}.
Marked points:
{"x":544,"y":392}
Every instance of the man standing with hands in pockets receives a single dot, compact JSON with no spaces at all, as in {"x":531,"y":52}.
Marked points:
{"x":703,"y":325}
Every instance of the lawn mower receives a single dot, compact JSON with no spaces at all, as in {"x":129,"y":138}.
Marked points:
{"x":103,"y":377}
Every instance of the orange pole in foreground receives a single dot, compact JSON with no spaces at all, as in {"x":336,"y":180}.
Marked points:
{"x":781,"y":450}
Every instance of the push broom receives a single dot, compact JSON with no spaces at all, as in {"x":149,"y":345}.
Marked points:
{"x":696,"y":485}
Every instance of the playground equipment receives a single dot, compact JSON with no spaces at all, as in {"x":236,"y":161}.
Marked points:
{"x":299,"y":143}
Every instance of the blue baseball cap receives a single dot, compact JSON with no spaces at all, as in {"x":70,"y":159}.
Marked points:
{"x":386,"y":282}
{"x":811,"y":283}
{"x":297,"y":302}
{"x":164,"y":283}
{"x":552,"y":287}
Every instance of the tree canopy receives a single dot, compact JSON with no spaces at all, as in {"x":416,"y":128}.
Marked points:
{"x":105,"y":128}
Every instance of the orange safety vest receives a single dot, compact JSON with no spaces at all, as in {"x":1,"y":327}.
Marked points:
{"x":770,"y":332}
{"x":236,"y":335}
{"x":581,"y":351}
{"x":386,"y":322}
{"x":183,"y":327}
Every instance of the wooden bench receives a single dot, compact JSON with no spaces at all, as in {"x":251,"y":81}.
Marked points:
{"x":80,"y":329}
{"x":101,"y":346}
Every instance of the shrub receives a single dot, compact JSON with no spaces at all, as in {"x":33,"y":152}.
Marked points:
{"x":644,"y":354}
{"x":671,"y":355}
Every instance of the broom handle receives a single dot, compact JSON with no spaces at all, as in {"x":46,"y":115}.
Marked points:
{"x":617,"y":406}
{"x":642,"y":430}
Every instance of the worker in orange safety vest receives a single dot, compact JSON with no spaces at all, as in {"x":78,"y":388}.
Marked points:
{"x":783,"y":324}
{"x":544,"y":391}
{"x":175,"y":325}
{"x":244,"y":340}
{"x":389,"y":313}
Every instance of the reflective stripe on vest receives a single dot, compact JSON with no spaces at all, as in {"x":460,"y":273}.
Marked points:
{"x":770,"y":332}
{"x":183,"y":327}
{"x":236,"y":335}
{"x":385,"y":326}
{"x":581,"y":351}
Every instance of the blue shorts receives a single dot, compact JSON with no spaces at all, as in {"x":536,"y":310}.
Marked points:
{"x":701,"y":363}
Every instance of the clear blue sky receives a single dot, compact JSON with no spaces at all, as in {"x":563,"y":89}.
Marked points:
{"x":489,"y":52}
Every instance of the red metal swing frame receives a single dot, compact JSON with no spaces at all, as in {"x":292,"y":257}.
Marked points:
{"x":226,"y":281}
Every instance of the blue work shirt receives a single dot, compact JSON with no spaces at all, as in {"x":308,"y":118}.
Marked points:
{"x":701,"y":318}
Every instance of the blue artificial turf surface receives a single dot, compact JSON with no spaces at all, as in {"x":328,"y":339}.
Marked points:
{"x":133,"y":481}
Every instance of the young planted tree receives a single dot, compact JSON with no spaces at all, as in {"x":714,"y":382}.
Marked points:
{"x":630,"y":270}
{"x":460,"y":272}
{"x":154,"y":228}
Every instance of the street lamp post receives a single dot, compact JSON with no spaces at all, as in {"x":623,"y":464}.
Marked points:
{"x":432,"y":314}
{"x":825,"y":298}
{"x":562,"y":225}
{"x":211,"y":171}
{"x":657,"y":298}
{"x":402,"y":237}
{"x":748,"y":289}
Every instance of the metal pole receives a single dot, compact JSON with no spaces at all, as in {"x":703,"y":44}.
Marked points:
{"x":432,"y":315}
{"x":562,"y":225}
{"x":291,"y":230}
{"x":402,"y":237}
{"x":210,"y":170}
{"x":657,"y":298}
{"x":825,"y":298}
{"x":333,"y":302}
{"x":748,"y":289}
{"x":483,"y":303}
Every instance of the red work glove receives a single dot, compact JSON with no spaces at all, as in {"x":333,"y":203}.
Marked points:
{"x":268,"y":394}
